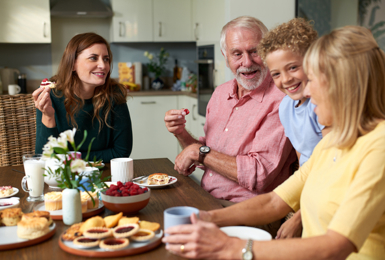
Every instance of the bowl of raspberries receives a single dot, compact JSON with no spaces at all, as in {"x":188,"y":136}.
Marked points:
{"x":125,"y":197}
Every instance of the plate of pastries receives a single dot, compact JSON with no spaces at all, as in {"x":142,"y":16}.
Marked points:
{"x":111,"y":236}
{"x":53,"y":204}
{"x":156,"y":180}
{"x":19,"y":230}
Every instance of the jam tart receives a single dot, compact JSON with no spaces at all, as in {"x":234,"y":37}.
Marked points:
{"x":143,"y":235}
{"x":97,"y":232}
{"x":114,"y":243}
{"x":86,"y":242}
{"x":125,"y":231}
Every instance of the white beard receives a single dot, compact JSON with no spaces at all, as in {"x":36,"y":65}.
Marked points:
{"x":253,"y":83}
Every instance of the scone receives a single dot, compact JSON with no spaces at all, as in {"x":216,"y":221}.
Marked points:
{"x":38,"y":214}
{"x":53,"y":201}
{"x":47,"y":84}
{"x":32,"y":228}
{"x":10,"y":217}
{"x":158,"y":179}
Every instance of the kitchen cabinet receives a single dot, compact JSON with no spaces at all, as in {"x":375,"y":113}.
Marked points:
{"x":151,"y":21}
{"x":25,"y":21}
{"x":208,"y":19}
{"x":172,"y":20}
{"x":150,"y":136}
{"x":132,"y":21}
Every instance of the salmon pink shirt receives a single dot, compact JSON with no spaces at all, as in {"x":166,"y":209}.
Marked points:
{"x":249,"y":129}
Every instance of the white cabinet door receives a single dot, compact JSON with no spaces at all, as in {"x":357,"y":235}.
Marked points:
{"x":150,"y":135}
{"x":132,"y":21}
{"x":25,"y":21}
{"x":172,"y":20}
{"x":208,"y":19}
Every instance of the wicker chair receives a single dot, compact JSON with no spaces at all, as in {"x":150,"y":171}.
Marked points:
{"x":17,"y":128}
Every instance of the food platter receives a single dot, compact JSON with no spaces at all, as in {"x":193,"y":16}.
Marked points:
{"x":243,"y":232}
{"x":132,"y":249}
{"x":143,"y":182}
{"x":58,"y":214}
{"x":10,"y":240}
{"x":15,"y":191}
{"x":13,"y":201}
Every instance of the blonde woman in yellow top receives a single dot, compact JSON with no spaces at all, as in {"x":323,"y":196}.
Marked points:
{"x":340,"y":189}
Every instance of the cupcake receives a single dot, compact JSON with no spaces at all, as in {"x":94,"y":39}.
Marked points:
{"x":90,"y":204}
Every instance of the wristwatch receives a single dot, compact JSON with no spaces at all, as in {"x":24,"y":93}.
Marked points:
{"x":203,"y":150}
{"x":247,"y":252}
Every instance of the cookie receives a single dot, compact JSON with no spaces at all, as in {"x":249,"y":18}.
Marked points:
{"x":153,"y":226}
{"x":124,"y":221}
{"x":112,"y":221}
{"x":73,"y":232}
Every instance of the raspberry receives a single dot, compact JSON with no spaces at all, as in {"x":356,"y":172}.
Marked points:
{"x":186,"y":111}
{"x":120,"y":184}
{"x":128,"y":184}
{"x":117,"y":195}
{"x":125,"y":194}
{"x":140,"y":191}
{"x":133,"y":192}
{"x":44,"y":80}
{"x":145,"y":189}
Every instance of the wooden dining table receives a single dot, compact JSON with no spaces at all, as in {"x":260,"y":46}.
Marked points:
{"x":185,"y":192}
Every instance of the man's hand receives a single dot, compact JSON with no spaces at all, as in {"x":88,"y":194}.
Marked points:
{"x":291,"y":228}
{"x":175,"y":120}
{"x":186,"y":160}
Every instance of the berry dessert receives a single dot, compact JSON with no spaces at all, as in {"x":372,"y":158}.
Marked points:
{"x":125,"y":231}
{"x":86,"y":242}
{"x":114,"y":243}
{"x":126,"y":189}
{"x":47,"y":84}
{"x":5,"y":191}
{"x":186,"y":111}
{"x":98,"y":232}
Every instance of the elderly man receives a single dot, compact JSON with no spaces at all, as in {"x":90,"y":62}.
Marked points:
{"x":244,"y":151}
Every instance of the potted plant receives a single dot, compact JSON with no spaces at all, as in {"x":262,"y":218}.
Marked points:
{"x":69,"y":173}
{"x":156,"y":66}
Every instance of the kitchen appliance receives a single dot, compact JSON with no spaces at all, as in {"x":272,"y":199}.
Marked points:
{"x":84,"y":8}
{"x":206,"y":72}
{"x":8,"y":76}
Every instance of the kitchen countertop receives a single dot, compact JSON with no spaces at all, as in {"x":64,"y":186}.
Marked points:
{"x":161,"y":93}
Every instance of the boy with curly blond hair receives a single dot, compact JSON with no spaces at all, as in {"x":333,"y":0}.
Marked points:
{"x":282,"y":50}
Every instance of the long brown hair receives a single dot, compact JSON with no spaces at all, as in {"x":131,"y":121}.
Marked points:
{"x":68,"y":82}
{"x":353,"y":66}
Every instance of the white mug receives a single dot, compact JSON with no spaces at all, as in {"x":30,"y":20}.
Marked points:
{"x":122,"y":169}
{"x":13,"y":89}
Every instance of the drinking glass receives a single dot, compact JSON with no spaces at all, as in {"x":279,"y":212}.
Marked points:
{"x":34,"y":178}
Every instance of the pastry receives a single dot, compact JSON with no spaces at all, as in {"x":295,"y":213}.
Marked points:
{"x":125,"y":231}
{"x":112,"y":221}
{"x":83,"y":202}
{"x":73,"y":232}
{"x":158,"y":179}
{"x":47,"y":84}
{"x":38,"y":214}
{"x":124,"y":221}
{"x":10,"y":217}
{"x":91,"y":223}
{"x":143,"y":235}
{"x":5,"y":191}
{"x":90,"y":204}
{"x":97,"y":232}
{"x":153,"y":226}
{"x":114,"y":243}
{"x":32,"y":228}
{"x":86,"y":242}
{"x":53,"y":201}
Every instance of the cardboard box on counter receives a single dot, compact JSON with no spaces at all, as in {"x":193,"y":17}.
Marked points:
{"x":130,"y":74}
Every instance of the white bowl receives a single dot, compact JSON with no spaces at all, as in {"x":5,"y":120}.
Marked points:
{"x":51,"y":181}
{"x":14,"y":200}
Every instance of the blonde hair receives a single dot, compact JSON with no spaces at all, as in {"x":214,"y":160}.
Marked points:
{"x":296,"y":35}
{"x":247,"y":22}
{"x":353,"y":67}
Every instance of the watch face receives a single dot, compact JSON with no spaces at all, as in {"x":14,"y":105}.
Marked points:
{"x":248,"y":255}
{"x":204,"y":149}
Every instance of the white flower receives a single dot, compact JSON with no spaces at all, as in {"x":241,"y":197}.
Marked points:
{"x":69,"y":135}
{"x":47,"y":151}
{"x":150,"y":56}
{"x":78,"y":165}
{"x":146,"y":53}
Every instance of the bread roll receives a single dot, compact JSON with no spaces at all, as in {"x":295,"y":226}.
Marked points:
{"x":32,"y":228}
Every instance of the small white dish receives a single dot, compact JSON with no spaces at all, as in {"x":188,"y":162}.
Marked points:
{"x":15,"y":191}
{"x":243,"y":232}
{"x":15,"y":201}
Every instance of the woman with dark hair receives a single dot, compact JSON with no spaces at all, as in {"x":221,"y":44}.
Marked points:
{"x":86,"y":98}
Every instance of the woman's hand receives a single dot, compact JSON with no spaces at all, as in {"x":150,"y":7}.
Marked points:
{"x":43,"y":102}
{"x":291,"y":228}
{"x":202,"y":240}
{"x":175,"y":121}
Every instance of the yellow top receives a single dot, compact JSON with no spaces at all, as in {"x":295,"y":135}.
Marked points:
{"x":344,"y":191}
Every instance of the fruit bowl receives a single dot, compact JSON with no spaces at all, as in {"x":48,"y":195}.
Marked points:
{"x":126,"y":204}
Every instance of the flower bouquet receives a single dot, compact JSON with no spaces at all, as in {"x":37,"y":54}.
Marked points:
{"x":69,"y":172}
{"x":157,"y":66}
